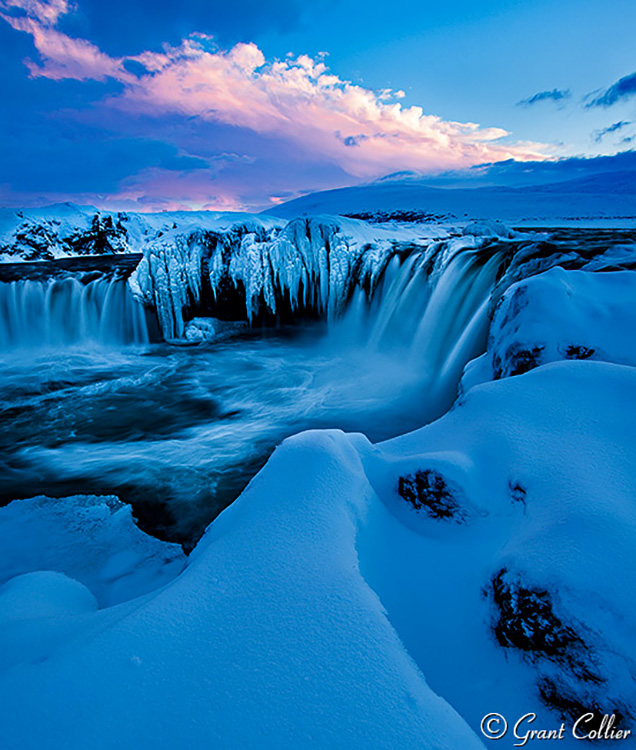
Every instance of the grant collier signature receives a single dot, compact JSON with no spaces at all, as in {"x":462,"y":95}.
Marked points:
{"x":495,"y":727}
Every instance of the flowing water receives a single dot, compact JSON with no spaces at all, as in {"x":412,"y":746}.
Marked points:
{"x":90,"y":405}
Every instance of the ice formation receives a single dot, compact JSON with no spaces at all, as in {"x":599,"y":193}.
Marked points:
{"x":308,"y":265}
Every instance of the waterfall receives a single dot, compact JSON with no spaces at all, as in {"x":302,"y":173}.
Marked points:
{"x":429,"y":312}
{"x":70,"y":310}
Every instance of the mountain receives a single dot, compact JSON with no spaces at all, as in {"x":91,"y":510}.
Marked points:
{"x":599,"y":198}
{"x":531,"y":193}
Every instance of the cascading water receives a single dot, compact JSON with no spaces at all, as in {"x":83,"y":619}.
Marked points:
{"x":61,"y":312}
{"x":431,"y":315}
{"x":179,"y":430}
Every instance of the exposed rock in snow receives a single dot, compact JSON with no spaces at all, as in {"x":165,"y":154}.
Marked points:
{"x":429,"y":491}
{"x":67,"y":230}
{"x":62,"y":231}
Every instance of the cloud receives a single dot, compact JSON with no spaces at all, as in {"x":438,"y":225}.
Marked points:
{"x":621,"y":90}
{"x":296,"y":99}
{"x":600,"y":134}
{"x":63,"y":56}
{"x":556,"y":95}
{"x":47,"y":12}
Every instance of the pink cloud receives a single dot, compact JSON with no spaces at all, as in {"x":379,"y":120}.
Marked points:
{"x":46,"y":12}
{"x":152,"y":189}
{"x":157,"y":189}
{"x":366,"y":133}
{"x":62,"y":56}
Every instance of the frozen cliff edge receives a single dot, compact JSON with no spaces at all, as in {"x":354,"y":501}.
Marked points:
{"x":314,"y":266}
{"x":251,"y":269}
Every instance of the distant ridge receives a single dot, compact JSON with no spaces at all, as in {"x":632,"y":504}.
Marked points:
{"x":595,"y":198}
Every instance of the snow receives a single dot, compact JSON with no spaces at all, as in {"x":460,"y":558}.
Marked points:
{"x":560,"y":315}
{"x":325,"y":608}
{"x":93,"y":540}
{"x":44,"y":594}
{"x":489,"y":228}
{"x":564,"y":205}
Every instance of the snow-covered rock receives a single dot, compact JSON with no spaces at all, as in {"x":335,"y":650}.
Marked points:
{"x":67,"y":230}
{"x":200,"y":329}
{"x":488,"y":228}
{"x":560,"y":315}
{"x":91,"y":539}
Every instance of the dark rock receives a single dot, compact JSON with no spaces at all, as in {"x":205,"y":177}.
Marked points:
{"x":572,"y":707}
{"x":429,"y":491}
{"x":517,"y":492}
{"x":577,"y":351}
{"x":516,"y":361}
{"x":405,"y":216}
{"x":526,"y":619}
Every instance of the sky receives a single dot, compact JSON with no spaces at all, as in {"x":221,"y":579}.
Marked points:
{"x":147,"y":105}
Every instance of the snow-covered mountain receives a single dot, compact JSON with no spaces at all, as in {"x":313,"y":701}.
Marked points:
{"x":599,"y":199}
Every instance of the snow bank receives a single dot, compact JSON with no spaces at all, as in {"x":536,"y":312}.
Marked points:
{"x":91,"y":539}
{"x":560,"y":315}
{"x":270,"y":637}
{"x":511,"y":583}
{"x":44,"y":594}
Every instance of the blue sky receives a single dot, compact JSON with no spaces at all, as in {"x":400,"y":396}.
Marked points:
{"x":150,"y":105}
